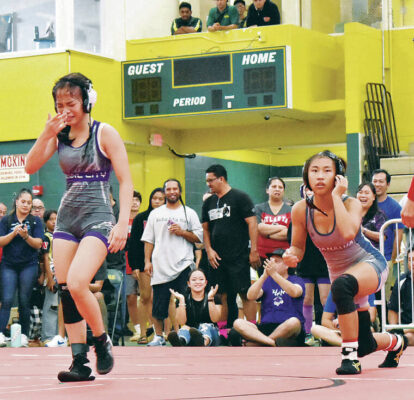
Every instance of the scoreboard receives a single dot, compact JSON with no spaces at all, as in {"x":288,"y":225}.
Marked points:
{"x":211,"y":83}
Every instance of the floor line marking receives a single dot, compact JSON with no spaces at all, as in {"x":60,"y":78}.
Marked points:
{"x":55,"y":388}
{"x":20,"y":386}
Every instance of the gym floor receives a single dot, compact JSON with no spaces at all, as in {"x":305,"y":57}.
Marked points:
{"x":174,"y":373}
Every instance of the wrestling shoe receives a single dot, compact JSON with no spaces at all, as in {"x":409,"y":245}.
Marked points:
{"x":197,"y":338}
{"x":175,"y":340}
{"x":393,"y":357}
{"x":349,"y":367}
{"x":78,"y":371}
{"x":103,"y":350}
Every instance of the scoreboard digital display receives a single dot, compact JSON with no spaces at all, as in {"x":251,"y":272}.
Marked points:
{"x":220,"y":82}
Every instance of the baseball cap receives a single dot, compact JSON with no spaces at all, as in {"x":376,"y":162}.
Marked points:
{"x":276,"y":252}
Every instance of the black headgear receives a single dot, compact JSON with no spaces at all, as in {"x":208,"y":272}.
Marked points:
{"x":340,"y":166}
{"x":89,"y":95}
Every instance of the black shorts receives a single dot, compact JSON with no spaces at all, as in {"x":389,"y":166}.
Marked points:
{"x":268,"y":328}
{"x":233,"y":276}
{"x":162,"y":294}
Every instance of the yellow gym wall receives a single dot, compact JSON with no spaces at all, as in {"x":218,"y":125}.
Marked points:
{"x":277,"y":157}
{"x":402,"y":13}
{"x":363,"y":64}
{"x":399,"y":58}
{"x":325,"y":15}
{"x":26,"y":93}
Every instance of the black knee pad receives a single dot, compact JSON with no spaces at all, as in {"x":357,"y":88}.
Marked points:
{"x":70,"y":312}
{"x":344,"y":288}
{"x":366,"y":341}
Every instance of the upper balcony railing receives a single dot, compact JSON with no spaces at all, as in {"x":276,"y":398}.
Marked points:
{"x":102,"y":27}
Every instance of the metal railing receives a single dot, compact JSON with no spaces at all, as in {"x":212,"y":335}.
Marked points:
{"x":400,"y":269}
{"x":381,"y":138}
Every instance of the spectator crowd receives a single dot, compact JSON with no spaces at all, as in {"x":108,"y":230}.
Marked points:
{"x":216,"y":281}
{"x":225,"y":17}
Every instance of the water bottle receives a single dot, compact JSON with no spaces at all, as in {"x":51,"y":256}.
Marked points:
{"x":16,"y":333}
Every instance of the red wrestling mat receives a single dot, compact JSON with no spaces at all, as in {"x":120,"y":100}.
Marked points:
{"x":169,"y":373}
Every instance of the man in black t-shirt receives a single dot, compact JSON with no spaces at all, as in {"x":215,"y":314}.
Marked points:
{"x":229,"y":223}
{"x":263,"y":13}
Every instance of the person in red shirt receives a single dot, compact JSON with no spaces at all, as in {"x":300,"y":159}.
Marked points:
{"x":407,"y":213}
{"x":273,"y":218}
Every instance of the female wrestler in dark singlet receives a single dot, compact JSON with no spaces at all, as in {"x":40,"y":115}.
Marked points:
{"x":86,"y":228}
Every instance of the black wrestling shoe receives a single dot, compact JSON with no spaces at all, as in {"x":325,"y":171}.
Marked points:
{"x":78,"y":371}
{"x":175,"y":340}
{"x":103,"y":350}
{"x":393,"y":357}
{"x":197,"y":338}
{"x":349,"y":367}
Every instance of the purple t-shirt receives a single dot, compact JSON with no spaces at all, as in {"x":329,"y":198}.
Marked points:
{"x":277,"y":305}
{"x":374,"y":224}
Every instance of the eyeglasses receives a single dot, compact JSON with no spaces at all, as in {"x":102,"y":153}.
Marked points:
{"x":38,"y":208}
{"x":210,"y":180}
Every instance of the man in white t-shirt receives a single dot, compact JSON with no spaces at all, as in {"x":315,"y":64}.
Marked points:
{"x":169,"y":235}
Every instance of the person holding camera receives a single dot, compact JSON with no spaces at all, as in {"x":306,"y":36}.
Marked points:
{"x":21,"y":236}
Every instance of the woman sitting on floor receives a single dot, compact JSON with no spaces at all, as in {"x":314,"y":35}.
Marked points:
{"x":197,"y":313}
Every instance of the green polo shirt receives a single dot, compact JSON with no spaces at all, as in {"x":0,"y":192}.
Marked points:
{"x":229,"y":16}
{"x":179,"y":22}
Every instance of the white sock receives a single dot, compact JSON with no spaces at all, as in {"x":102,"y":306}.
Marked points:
{"x":349,"y":350}
{"x":395,"y":342}
{"x":137,"y":328}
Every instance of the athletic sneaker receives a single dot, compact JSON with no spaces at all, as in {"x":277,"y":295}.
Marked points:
{"x":175,"y":340}
{"x":393,"y":357}
{"x":57,"y":341}
{"x":197,"y":338}
{"x":157,"y":341}
{"x":25,"y":341}
{"x":349,"y":367}
{"x":103,"y":350}
{"x":2,"y":340}
{"x":311,"y":341}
